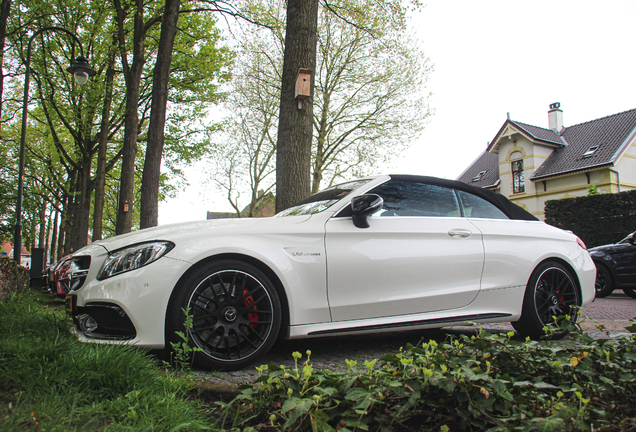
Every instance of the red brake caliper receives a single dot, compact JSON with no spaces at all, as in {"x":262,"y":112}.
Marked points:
{"x":249,"y":301}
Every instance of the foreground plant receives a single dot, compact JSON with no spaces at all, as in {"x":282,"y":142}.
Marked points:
{"x":182,"y":353}
{"x":51,"y":382}
{"x":482,"y":382}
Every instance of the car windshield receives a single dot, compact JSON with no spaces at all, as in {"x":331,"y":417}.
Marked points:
{"x":322,"y":200}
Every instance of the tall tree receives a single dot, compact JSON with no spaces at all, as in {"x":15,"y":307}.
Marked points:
{"x":246,"y":161}
{"x":132,"y":75}
{"x":295,"y":124}
{"x":152,"y":166}
{"x":370,"y":98}
{"x":102,"y":151}
{"x":5,"y":8}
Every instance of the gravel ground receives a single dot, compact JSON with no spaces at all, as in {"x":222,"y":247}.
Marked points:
{"x":612,"y":313}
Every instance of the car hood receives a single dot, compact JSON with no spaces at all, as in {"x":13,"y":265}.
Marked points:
{"x":606,"y":248}
{"x":207,"y":228}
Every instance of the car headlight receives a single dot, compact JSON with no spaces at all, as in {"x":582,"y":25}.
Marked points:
{"x":133,"y":257}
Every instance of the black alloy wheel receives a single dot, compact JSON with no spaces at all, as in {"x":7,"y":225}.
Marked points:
{"x":235,"y":311}
{"x":550,"y":295}
{"x":604,"y":285}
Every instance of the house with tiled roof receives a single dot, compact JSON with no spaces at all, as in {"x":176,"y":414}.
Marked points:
{"x":531,"y":165}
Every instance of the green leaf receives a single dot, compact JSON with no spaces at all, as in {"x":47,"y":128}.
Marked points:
{"x":544,"y":385}
{"x":300,"y":406}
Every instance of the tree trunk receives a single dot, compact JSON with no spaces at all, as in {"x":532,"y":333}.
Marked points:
{"x":5,"y":8}
{"x":42,"y":217}
{"x":82,"y":204}
{"x":52,"y":252}
{"x":68,"y":217}
{"x":132,"y":75}
{"x":100,"y":176}
{"x":152,"y":166}
{"x":59,"y":252}
{"x":293,"y":154}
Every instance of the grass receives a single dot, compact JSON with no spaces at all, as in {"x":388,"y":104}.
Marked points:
{"x":51,"y":382}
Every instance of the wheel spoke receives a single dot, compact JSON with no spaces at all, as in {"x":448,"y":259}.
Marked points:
{"x":255,"y":333}
{"x":232,"y":288}
{"x":222,"y":285}
{"x":238,"y":337}
{"x":258,"y":300}
{"x":212,"y":336}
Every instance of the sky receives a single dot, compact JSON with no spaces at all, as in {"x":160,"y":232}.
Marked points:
{"x":492,"y":58}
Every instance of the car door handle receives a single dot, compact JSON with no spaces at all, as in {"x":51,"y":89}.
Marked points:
{"x":460,"y":233}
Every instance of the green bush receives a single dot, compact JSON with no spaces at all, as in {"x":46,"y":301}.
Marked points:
{"x":596,"y":219}
{"x":483,"y":382}
{"x":13,"y":278}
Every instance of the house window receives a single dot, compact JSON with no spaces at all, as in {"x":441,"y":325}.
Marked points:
{"x":590,"y":151}
{"x":517,"y":176}
{"x":479,"y":176}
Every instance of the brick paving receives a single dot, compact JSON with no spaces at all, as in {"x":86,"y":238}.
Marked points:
{"x":612,"y":313}
{"x":617,"y":306}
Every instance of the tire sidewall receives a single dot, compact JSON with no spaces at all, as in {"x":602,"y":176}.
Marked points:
{"x":608,"y":288}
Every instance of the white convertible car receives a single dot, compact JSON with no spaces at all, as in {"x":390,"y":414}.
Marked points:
{"x":371,"y":255}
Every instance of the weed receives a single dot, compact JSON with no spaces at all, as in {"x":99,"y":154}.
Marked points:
{"x":183,"y":353}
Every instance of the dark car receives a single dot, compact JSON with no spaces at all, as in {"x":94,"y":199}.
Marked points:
{"x":616,"y":267}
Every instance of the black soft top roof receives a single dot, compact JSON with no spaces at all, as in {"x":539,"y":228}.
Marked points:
{"x":512,"y":210}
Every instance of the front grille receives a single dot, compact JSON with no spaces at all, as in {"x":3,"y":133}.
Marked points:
{"x":104,"y":321}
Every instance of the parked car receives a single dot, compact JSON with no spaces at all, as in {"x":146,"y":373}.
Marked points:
{"x":371,"y":255}
{"x":616,"y":267}
{"x":60,"y":277}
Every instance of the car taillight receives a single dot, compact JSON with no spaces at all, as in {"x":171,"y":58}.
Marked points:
{"x":580,"y":242}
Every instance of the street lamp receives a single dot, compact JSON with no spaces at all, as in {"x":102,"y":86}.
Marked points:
{"x":82,"y":71}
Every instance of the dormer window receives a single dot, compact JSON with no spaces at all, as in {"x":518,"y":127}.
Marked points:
{"x":590,"y":151}
{"x":479,"y":176}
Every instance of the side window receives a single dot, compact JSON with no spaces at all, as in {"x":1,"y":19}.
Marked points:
{"x":416,"y":199}
{"x":476,"y":207}
{"x":518,"y":185}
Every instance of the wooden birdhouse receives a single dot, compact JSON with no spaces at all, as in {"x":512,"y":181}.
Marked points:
{"x":303,"y":86}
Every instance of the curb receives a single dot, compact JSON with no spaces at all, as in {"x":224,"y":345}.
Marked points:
{"x":218,"y":392}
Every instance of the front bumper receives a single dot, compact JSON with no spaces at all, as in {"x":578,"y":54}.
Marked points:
{"x":127,"y":308}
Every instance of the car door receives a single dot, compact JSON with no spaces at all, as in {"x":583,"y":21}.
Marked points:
{"x":418,"y":255}
{"x":625,"y":256}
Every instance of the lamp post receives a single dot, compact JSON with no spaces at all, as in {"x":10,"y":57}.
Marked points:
{"x":82,"y":71}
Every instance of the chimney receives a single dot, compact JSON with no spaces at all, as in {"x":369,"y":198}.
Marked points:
{"x":555,"y":117}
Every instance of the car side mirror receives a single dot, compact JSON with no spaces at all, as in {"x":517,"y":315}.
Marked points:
{"x":364,"y":206}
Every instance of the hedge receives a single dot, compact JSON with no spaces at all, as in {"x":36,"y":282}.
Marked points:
{"x":596,"y":219}
{"x":13,"y":278}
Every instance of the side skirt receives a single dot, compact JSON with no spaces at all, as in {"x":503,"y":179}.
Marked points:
{"x":429,"y":322}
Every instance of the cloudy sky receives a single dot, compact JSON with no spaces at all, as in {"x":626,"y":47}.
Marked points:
{"x":492,"y":58}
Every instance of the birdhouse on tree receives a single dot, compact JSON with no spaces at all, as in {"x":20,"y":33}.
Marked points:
{"x":303,"y":86}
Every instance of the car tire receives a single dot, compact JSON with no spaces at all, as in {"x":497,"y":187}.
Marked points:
{"x":630,"y":292}
{"x":551,"y":291}
{"x":236,"y":314}
{"x":604,"y":284}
